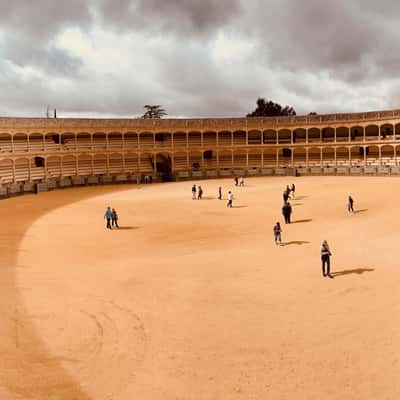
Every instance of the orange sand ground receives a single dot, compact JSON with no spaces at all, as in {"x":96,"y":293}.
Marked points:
{"x":192,"y":300}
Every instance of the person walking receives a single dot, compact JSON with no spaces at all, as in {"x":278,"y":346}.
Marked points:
{"x":350,"y":205}
{"x":241,"y":181}
{"x":194,"y":190}
{"x":220,"y":193}
{"x":230,"y":199}
{"x":285,"y":196}
{"x":200,"y":193}
{"x":325,"y":259}
{"x":107,"y":216}
{"x":293,"y":189}
{"x":277,"y":233}
{"x":114,"y":218}
{"x":236,"y":180}
{"x":287,"y":211}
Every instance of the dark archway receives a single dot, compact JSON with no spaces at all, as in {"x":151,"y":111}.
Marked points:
{"x":164,"y":167}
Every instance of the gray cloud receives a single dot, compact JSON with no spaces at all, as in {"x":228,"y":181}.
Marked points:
{"x":313,"y":55}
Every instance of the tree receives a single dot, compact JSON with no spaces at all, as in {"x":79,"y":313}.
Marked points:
{"x":270,"y":109}
{"x":153,"y":111}
{"x":313,"y":113}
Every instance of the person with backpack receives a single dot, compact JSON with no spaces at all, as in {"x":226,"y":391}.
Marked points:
{"x":325,"y":259}
{"x":277,"y":233}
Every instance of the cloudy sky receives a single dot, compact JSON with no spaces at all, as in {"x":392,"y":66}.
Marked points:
{"x":197,"y":58}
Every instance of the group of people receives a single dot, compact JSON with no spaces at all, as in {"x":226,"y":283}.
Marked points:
{"x":197,"y":192}
{"x":112,"y":218}
{"x":239,"y":181}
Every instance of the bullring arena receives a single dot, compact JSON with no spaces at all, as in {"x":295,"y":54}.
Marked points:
{"x":190,"y":299}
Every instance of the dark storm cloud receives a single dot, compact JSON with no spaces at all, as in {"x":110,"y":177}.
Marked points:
{"x":172,"y":16}
{"x":314,"y":55}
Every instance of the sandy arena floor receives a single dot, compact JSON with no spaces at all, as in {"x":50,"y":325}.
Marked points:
{"x":191,"y":300}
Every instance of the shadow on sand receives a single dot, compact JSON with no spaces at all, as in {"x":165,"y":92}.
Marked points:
{"x":299,"y":198}
{"x":298,"y":242}
{"x":301,"y":221}
{"x":239,"y":206}
{"x":126,"y":228}
{"x":361,"y":211}
{"x":357,"y":271}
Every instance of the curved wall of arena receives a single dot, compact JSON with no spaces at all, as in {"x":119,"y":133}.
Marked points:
{"x":43,"y":153}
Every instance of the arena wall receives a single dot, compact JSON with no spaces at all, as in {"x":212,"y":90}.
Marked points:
{"x":38,"y":154}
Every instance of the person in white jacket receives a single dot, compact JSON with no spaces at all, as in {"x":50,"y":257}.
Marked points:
{"x":230,"y":199}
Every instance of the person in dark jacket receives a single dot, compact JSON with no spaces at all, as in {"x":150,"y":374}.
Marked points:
{"x":350,"y":205}
{"x":194,"y":190}
{"x":293,"y":189}
{"x":200,"y":193}
{"x":287,"y":211}
{"x":285,"y":196}
{"x":277,"y":233}
{"x":114,"y":218}
{"x":325,"y":259}
{"x":219,"y":193}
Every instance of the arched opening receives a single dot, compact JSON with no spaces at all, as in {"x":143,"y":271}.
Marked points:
{"x":83,"y":141}
{"x":6,"y":171}
{"x":397,"y":131}
{"x":255,"y":158}
{"x":68,"y":141}
{"x":52,"y":141}
{"x":270,"y":136}
{"x":314,"y":157}
{"x":299,"y":135}
{"x":99,"y":164}
{"x":116,"y":163}
{"x":342,"y":134}
{"x":357,"y":134}
{"x":314,"y":135}
{"x":163,"y":139}
{"x":357,"y":156}
{"x":284,"y":157}
{"x":53,"y":166}
{"x":84,"y":164}
{"x":195,"y":161}
{"x":210,"y":138}
{"x":20,"y":142}
{"x":180,"y":139}
{"x":386,"y":131}
{"x":131,"y":140}
{"x":284,"y":136}
{"x":146,"y":163}
{"x":388,"y":156}
{"x":372,"y":132}
{"x":328,"y":157}
{"x":239,"y":159}
{"x":180,"y":161}
{"x":69,"y":165}
{"x":5,"y":143}
{"x":22,"y":170}
{"x":342,"y":157}
{"x":36,"y":142}
{"x":372,"y":155}
{"x":254,"y":137}
{"x":146,"y":139}
{"x":225,"y":138}
{"x":225,"y":159}
{"x":299,"y":157}
{"x":328,"y":134}
{"x":164,"y":166}
{"x":397,"y":156}
{"x":210,"y":159}
{"x":239,"y":138}
{"x":99,"y":141}
{"x":37,"y":168}
{"x":194,"y":139}
{"x":131,"y":162}
{"x":115,"y":140}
